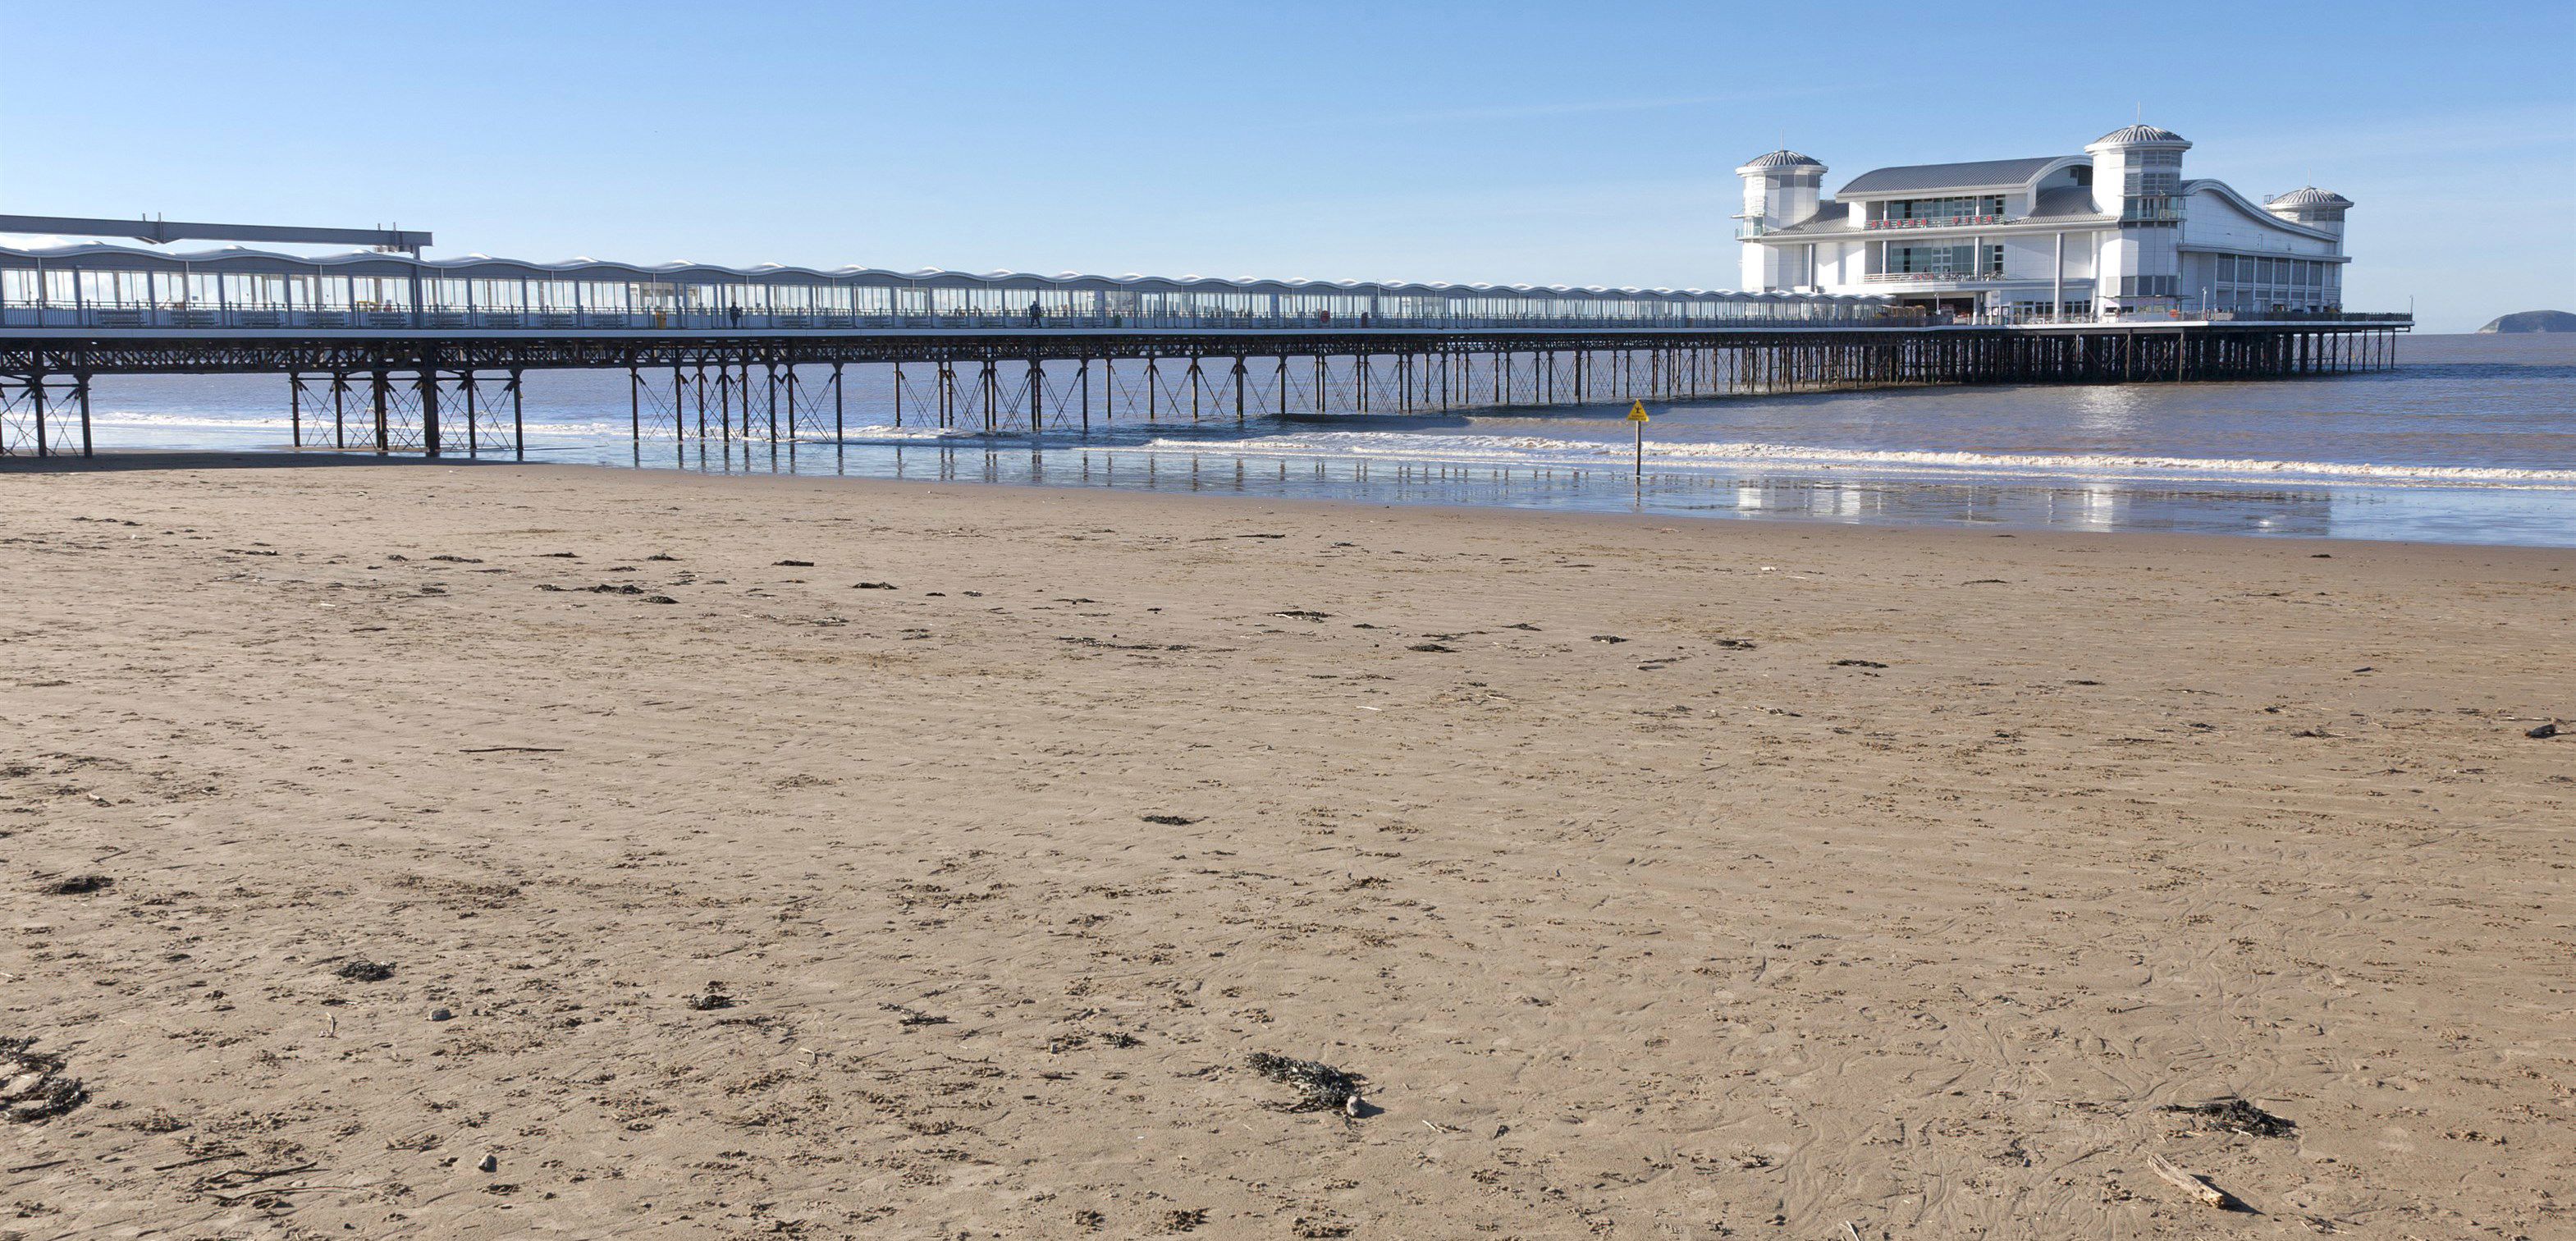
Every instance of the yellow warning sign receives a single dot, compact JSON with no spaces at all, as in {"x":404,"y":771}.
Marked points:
{"x":1637,"y":412}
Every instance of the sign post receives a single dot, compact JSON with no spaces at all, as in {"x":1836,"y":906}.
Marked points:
{"x":1637,"y":419}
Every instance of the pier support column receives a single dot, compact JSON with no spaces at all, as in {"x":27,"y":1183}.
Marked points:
{"x":428,"y":389}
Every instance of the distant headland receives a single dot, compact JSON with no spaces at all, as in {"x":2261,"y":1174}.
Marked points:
{"x":2533,"y":321}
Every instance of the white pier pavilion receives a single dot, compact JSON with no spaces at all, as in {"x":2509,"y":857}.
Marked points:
{"x":2116,"y":232}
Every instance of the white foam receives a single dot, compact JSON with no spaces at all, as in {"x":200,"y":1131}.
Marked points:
{"x":905,"y":435}
{"x":211,"y":421}
{"x":1540,"y":451}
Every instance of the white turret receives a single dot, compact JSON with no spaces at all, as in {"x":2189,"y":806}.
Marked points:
{"x":2136,"y":149}
{"x":2137,"y":178}
{"x":1780,"y":189}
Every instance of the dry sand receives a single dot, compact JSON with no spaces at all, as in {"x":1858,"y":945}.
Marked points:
{"x":762,"y":904}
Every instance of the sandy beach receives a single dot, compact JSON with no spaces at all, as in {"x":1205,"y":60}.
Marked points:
{"x":431,"y":851}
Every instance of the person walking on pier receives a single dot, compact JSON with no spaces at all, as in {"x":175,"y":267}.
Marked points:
{"x":734,"y":313}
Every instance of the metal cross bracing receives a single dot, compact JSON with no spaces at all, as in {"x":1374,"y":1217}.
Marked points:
{"x":44,"y":415}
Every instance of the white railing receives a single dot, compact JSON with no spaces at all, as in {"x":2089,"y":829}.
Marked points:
{"x":1940,"y":221}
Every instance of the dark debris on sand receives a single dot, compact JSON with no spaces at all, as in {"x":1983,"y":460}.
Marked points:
{"x":2237,"y":1116}
{"x":78,"y":885}
{"x":32,"y":1085}
{"x":909,"y":1017}
{"x":366,"y":971}
{"x":1321,"y":1086}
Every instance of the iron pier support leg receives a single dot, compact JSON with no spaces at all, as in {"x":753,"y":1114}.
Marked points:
{"x":36,"y":393}
{"x":384,"y":432}
{"x":518,"y":417}
{"x":1082,"y":372}
{"x":80,"y":389}
{"x":837,"y":432}
{"x":473,"y":445}
{"x":295,"y":407}
{"x":429,"y":438}
{"x":1238,"y":388}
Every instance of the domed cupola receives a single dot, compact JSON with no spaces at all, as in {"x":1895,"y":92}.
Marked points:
{"x":2312,"y":207}
{"x":2139,"y":136}
{"x":1782,"y":160}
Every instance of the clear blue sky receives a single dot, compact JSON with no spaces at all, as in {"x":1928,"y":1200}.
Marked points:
{"x":1557,"y":142}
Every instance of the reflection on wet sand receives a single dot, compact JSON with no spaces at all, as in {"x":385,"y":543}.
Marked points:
{"x":2309,"y":511}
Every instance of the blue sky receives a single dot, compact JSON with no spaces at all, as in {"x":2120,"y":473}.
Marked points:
{"x":1520,"y":142}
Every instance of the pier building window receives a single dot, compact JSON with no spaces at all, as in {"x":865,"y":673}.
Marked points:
{"x":1960,"y":262}
{"x":1936,"y":212}
{"x":2151,"y":189}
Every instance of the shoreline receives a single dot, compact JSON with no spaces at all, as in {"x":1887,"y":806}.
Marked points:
{"x":136,"y":460}
{"x":789,"y":855}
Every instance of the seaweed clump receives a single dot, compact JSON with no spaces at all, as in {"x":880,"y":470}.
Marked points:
{"x":33,"y":1086}
{"x":2237,"y":1116}
{"x":1320,"y":1086}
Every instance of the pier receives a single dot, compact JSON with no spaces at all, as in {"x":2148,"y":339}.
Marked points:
{"x":380,"y":350}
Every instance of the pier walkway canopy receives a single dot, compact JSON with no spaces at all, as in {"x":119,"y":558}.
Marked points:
{"x":102,"y":286}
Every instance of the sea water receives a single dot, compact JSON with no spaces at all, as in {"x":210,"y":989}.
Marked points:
{"x":2470,"y":439}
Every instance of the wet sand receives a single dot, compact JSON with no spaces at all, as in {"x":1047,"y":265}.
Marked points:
{"x":1662,"y":879}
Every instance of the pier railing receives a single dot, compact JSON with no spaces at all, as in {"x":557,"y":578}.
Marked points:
{"x":457,"y":318}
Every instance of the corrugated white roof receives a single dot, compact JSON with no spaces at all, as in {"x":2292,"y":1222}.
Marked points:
{"x":104,"y":256}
